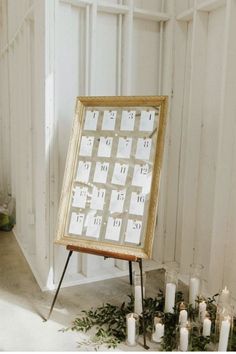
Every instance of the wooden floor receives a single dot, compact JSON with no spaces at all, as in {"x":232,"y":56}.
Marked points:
{"x":23,"y":304}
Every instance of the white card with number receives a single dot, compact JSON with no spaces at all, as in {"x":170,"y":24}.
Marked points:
{"x":143,"y":149}
{"x":83,"y":171}
{"x":105,"y":145}
{"x":80,"y":197}
{"x":142,"y":175}
{"x":86,"y":146}
{"x":137,"y":203}
{"x":76,"y":223}
{"x":98,"y":197}
{"x":120,"y":174}
{"x":127,"y":120}
{"x":147,"y":121}
{"x":91,"y":120}
{"x":117,"y":201}
{"x":124,"y":148}
{"x":93,"y":225}
{"x":101,"y":171}
{"x":133,"y":231}
{"x":109,"y":120}
{"x":113,"y":229}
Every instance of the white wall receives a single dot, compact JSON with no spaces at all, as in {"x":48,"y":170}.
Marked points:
{"x":204,"y":76}
{"x":24,"y":159}
{"x":53,"y":51}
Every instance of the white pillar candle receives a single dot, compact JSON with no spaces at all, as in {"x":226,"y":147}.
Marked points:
{"x":183,"y":317}
{"x":206,"y":327}
{"x":194,"y":289}
{"x":202,"y":310}
{"x":138,"y":299}
{"x":131,"y":336}
{"x":183,"y":344}
{"x":158,"y":333}
{"x":170,"y":297}
{"x":225,"y":296}
{"x":224,"y":335}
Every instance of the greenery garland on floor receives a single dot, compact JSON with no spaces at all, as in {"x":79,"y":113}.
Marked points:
{"x":109,"y":322}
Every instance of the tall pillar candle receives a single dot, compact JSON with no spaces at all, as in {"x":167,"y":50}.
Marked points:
{"x":224,"y":335}
{"x":194,"y":289}
{"x":183,"y":342}
{"x":170,"y":297}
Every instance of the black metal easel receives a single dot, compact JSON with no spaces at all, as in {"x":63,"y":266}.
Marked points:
{"x":108,"y":255}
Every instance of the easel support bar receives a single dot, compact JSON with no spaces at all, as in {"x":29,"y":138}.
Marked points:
{"x":107,"y":254}
{"x":59,"y":285}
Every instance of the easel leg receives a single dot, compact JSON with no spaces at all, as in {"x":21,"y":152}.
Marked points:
{"x":143,"y":317}
{"x":130,"y":273}
{"x":59,"y":285}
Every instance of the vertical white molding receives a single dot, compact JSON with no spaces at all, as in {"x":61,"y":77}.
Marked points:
{"x":119,"y":55}
{"x":93,"y":64}
{"x":192,"y":149}
{"x":127,"y":50}
{"x":163,"y":249}
{"x":51,"y":136}
{"x":160,"y":67}
{"x":42,"y":157}
{"x":23,"y":128}
{"x":90,"y":264}
{"x":182,"y":80}
{"x":87,"y":50}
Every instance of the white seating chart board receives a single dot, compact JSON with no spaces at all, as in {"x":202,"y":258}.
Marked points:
{"x":110,"y":189}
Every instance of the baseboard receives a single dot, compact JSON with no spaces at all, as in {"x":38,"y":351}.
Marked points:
{"x":30,"y":262}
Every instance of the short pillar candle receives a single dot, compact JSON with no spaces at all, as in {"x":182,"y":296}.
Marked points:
{"x":183,"y":313}
{"x":206,"y":329}
{"x":132,"y":323}
{"x":158,"y":327}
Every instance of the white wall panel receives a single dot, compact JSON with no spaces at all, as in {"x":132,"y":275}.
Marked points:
{"x":146,"y":40}
{"x":151,"y":5}
{"x":106,"y":55}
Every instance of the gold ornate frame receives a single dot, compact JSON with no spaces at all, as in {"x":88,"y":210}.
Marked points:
{"x":103,"y":247}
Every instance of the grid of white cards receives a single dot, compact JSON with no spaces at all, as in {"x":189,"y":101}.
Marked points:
{"x":113,"y":176}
